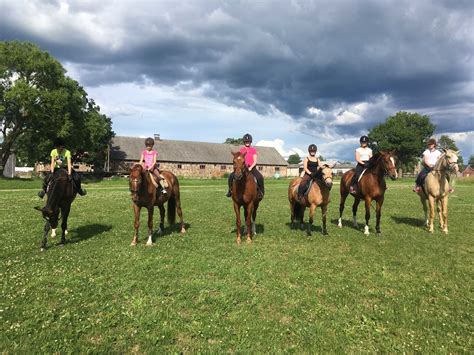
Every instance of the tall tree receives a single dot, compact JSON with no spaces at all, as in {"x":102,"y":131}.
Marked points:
{"x":38,"y":102}
{"x":235,"y":141}
{"x":471,"y":161}
{"x":404,"y":132}
{"x":294,"y":159}
{"x":446,"y":142}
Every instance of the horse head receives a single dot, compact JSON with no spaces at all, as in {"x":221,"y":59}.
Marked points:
{"x":387,"y":160}
{"x":240,"y":168}
{"x":451,"y":159}
{"x":326,"y":174}
{"x":135,"y":180}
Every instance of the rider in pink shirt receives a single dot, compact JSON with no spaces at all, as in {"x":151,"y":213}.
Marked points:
{"x":148,"y":160}
{"x":251,"y":162}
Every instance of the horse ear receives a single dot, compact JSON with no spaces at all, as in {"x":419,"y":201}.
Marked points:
{"x":457,"y":152}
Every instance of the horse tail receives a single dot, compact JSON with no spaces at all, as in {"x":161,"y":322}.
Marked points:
{"x":172,"y":210}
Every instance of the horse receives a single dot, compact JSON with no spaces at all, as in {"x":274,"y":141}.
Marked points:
{"x":244,"y":193}
{"x":61,"y":194}
{"x":371,"y":187}
{"x":318,"y":195}
{"x":145,"y":194}
{"x":436,"y":189}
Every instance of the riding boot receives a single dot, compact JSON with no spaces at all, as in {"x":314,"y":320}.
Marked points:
{"x":164,"y":185}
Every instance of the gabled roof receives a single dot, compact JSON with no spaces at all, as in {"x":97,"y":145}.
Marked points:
{"x":130,"y":148}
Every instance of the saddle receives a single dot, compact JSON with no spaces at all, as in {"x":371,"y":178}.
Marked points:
{"x":307,"y":188}
{"x":362,"y":174}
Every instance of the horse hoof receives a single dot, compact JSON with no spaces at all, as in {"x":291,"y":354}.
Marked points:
{"x":302,"y":226}
{"x":43,"y":249}
{"x":249,"y":241}
{"x":183,"y":230}
{"x":325,"y":233}
{"x":149,"y":244}
{"x":445,"y":231}
{"x":132,"y":244}
{"x":366,"y":230}
{"x":66,"y":232}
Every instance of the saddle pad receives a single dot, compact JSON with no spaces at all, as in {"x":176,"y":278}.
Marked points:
{"x":306,"y":191}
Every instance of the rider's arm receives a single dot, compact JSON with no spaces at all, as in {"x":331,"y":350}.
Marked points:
{"x":141,"y":159}
{"x":69,"y":165}
{"x":357,"y":156}
{"x":254,"y":162}
{"x":305,"y":166}
{"x":425,"y":161}
{"x":51,"y":166}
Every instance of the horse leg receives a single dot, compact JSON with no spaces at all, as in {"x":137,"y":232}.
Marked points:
{"x":355,"y":205}
{"x":245,"y":219}
{"x":237,"y":222}
{"x":44,"y":242}
{"x":378,"y":214}
{"x":150,"y":225}
{"x":248,"y":222}
{"x":180,"y":213}
{"x":136,"y":224}
{"x":65,"y":213}
{"x":431,"y":203}
{"x":444,"y":202}
{"x":324,"y":209}
{"x":367,"y":215}
{"x":312,"y":207}
{"x":254,"y":218}
{"x":425,"y":208}
{"x":302,"y":209}
{"x":341,"y":206}
{"x":161,"y":227}
{"x":292,"y":214}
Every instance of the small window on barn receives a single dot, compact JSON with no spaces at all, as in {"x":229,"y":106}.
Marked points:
{"x":277,"y":168}
{"x":180,"y":166}
{"x":223,"y":167}
{"x":260,"y":168}
{"x":202,"y":167}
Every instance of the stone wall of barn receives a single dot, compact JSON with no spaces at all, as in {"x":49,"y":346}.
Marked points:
{"x":198,"y":170}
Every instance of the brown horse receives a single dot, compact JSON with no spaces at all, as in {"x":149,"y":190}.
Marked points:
{"x":371,"y":187}
{"x":436,"y":189}
{"x":145,"y":194}
{"x":318,"y":195}
{"x":244,"y":193}
{"x":61,"y":193}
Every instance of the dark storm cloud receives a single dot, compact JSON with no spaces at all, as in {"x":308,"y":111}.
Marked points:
{"x":285,"y":55}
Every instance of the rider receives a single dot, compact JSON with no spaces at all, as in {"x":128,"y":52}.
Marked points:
{"x":251,"y":162}
{"x":430,"y":157}
{"x":148,"y":161}
{"x":311,"y":167}
{"x":61,"y":159}
{"x":362,"y":156}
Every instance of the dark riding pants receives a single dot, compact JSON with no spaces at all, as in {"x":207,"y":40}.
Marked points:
{"x":420,"y":179}
{"x":258,"y":176}
{"x":303,"y":184}
{"x":358,"y":170}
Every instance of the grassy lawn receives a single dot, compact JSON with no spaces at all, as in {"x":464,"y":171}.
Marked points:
{"x":403,"y":291}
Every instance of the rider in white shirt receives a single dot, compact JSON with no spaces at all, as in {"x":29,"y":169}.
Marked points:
{"x":362,"y":156}
{"x":430,"y":157}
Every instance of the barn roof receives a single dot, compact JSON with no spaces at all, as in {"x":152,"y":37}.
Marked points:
{"x":130,"y":148}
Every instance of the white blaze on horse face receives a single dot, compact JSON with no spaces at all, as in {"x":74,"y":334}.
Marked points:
{"x":393,"y":162}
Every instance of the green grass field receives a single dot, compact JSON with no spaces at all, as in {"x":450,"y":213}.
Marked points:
{"x":405,"y":290}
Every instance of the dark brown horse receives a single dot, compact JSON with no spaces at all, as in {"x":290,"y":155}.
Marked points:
{"x":244,"y":193}
{"x":61,"y":193}
{"x":145,"y":194}
{"x":371,"y":187}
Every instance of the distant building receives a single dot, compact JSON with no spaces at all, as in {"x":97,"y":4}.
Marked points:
{"x":468,"y":171}
{"x":193,"y":159}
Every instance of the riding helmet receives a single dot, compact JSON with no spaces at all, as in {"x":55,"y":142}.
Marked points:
{"x":247,"y":138}
{"x":364,"y":139}
{"x":149,"y":141}
{"x":59,"y":142}
{"x":312,"y":148}
{"x":431,"y":141}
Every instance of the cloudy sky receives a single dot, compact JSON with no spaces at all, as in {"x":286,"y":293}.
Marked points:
{"x":289,"y":72}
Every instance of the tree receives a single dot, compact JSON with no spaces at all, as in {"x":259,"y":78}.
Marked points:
{"x":234,"y":141}
{"x":445,"y":142}
{"x":294,"y":159}
{"x":406,"y":133}
{"x":471,"y":161}
{"x":38,"y":103}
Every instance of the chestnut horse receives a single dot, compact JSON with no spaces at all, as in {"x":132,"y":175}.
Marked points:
{"x":244,"y":193}
{"x":436,"y":190}
{"x":371,"y":187}
{"x":145,"y":194}
{"x":61,"y":193}
{"x":318,"y":195}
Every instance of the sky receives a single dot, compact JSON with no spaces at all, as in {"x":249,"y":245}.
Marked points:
{"x":289,"y":72}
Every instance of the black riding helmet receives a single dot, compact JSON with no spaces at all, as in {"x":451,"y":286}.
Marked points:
{"x":247,"y":138}
{"x":59,"y":142}
{"x":312,"y":148}
{"x":364,"y":139}
{"x":149,"y":141}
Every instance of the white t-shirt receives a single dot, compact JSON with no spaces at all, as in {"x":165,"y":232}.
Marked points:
{"x":364,"y":153}
{"x":432,"y":157}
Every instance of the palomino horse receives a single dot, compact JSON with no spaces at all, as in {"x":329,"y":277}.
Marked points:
{"x":371,"y":187}
{"x":436,"y":189}
{"x":61,"y":193}
{"x":244,"y":193}
{"x":145,"y":194}
{"x":318,"y":195}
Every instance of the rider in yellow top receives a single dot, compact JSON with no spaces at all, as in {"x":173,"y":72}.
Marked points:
{"x":61,"y":159}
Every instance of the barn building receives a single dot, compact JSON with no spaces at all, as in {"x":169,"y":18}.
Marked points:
{"x":190,"y":159}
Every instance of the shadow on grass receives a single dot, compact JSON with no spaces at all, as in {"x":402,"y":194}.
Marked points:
{"x":175,"y":228}
{"x":259,"y":228}
{"x":83,"y":233}
{"x":348,"y":223}
{"x":416,"y":222}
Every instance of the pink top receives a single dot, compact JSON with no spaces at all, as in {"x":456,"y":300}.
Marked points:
{"x":251,"y":152}
{"x":148,"y":156}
